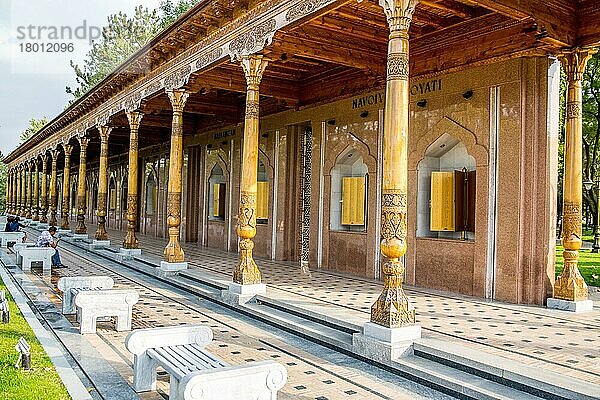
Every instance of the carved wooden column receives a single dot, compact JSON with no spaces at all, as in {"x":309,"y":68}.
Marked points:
{"x":24,"y":191}
{"x":44,"y":202}
{"x":392,"y":309}
{"x":173,"y":252}
{"x":9,"y":192}
{"x":101,"y":234}
{"x":36,"y":191}
{"x":247,"y":272}
{"x":81,"y":229}
{"x":131,"y":241}
{"x":66,"y":188}
{"x":570,"y":285}
{"x":53,"y":195}
{"x":28,"y":191}
{"x":20,"y":190}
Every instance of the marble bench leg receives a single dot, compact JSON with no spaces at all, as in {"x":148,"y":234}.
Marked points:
{"x":174,"y":389}
{"x":144,"y":373}
{"x":87,"y":322}
{"x":123,"y":322}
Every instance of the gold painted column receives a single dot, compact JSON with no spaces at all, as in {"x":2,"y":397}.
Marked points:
{"x":247,"y":272}
{"x":101,"y":234}
{"x":66,"y":188}
{"x":44,"y":200}
{"x":131,"y":241}
{"x":173,"y":252}
{"x":24,"y":191}
{"x":36,"y":191}
{"x":570,"y":285}
{"x":392,"y":309}
{"x":9,"y":192}
{"x":19,"y":190}
{"x":81,"y":229}
{"x":28,"y":191}
{"x":53,"y":195}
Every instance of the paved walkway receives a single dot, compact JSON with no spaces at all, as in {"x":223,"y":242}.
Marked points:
{"x":315,"y":372}
{"x":564,"y":342}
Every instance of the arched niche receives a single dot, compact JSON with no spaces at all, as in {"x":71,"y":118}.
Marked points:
{"x":349,"y":184}
{"x":217,"y":191}
{"x":446,"y":190}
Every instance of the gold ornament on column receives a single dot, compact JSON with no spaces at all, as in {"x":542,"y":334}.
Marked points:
{"x":9,"y":192}
{"x":247,"y":272}
{"x":570,"y":285}
{"x":131,"y":241}
{"x":36,"y":191}
{"x":28,"y":190}
{"x":81,"y":229}
{"x":392,"y":309}
{"x":101,"y":234}
{"x":66,"y":188}
{"x":19,"y":187}
{"x":173,"y":252}
{"x":44,"y":205}
{"x":53,"y":194}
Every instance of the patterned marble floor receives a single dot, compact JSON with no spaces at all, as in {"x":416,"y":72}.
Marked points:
{"x":564,"y":342}
{"x":314,"y":372}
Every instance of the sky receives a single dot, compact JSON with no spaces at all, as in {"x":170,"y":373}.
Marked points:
{"x":32,"y":81}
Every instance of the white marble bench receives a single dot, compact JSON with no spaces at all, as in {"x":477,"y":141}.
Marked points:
{"x":196,"y":374}
{"x":17,"y":250}
{"x":71,"y":285}
{"x":94,"y":304}
{"x":11,"y":237}
{"x":29,"y":255}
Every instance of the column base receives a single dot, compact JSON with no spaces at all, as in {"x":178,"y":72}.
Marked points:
{"x":65,"y":232}
{"x":127,"y":254}
{"x":580,"y":306}
{"x":78,"y":237}
{"x":240,"y":294}
{"x":97,"y":244}
{"x":385,"y":344}
{"x":170,"y":269}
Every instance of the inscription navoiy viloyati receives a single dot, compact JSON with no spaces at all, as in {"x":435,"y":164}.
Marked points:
{"x":378,"y":98}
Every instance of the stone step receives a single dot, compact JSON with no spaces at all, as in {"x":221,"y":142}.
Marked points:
{"x":457,"y":383}
{"x":543,"y":383}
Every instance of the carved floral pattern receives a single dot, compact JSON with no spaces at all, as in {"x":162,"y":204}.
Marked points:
{"x":574,"y":110}
{"x":252,"y":109}
{"x":255,"y":40}
{"x":178,"y":78}
{"x":397,"y":66}
{"x":304,"y":8}
{"x":208,"y":58}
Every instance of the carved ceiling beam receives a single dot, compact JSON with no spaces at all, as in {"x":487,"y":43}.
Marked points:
{"x":458,"y":9}
{"x":557,"y":19}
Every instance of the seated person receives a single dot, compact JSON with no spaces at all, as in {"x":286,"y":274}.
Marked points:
{"x":10,"y":219}
{"x":48,"y":239}
{"x":15,"y":226}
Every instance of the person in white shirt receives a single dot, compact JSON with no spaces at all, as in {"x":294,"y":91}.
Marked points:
{"x":48,"y":239}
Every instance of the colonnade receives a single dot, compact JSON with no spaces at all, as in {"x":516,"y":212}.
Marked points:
{"x":392,"y":309}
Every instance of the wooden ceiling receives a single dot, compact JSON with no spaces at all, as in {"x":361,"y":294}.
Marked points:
{"x":336,"y":52}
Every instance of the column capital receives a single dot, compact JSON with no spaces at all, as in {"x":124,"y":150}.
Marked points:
{"x":54,"y":154}
{"x":399,"y":13}
{"x":68,"y":148}
{"x":83,"y":143}
{"x":104,"y":132}
{"x":254,"y":66}
{"x":44,"y":157}
{"x":135,"y":119}
{"x":178,"y":99}
{"x":574,"y":61}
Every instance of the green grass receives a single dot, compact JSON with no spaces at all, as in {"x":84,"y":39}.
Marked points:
{"x":42,"y":381}
{"x":589,"y":265}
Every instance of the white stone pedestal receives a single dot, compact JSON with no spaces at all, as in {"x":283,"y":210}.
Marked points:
{"x":127,"y":254}
{"x":573,"y":306}
{"x":170,"y":269}
{"x":240,"y":294}
{"x":96,"y":244}
{"x":79,"y":237}
{"x":42,"y":227}
{"x":385,"y":344}
{"x":34,"y":223}
{"x":65,"y":232}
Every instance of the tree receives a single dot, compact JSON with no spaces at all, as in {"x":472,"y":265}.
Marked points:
{"x":120,"y":39}
{"x":35,"y":125}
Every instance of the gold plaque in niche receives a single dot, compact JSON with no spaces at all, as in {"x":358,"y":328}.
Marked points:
{"x":442,"y":202}
{"x":262,"y":200}
{"x":353,"y":200}
{"x":219,"y":200}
